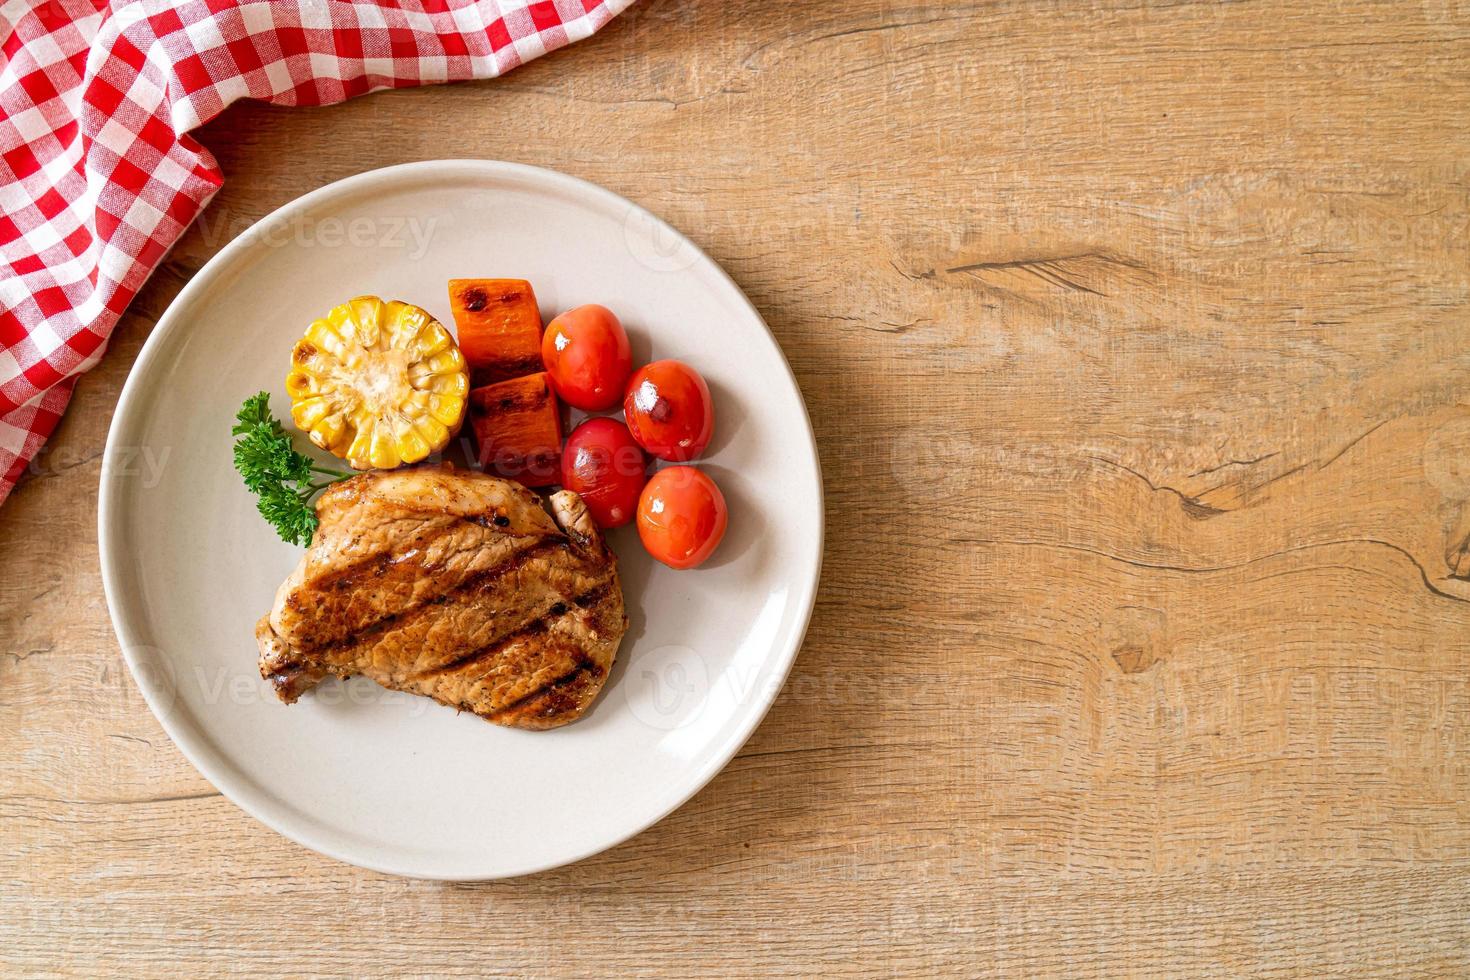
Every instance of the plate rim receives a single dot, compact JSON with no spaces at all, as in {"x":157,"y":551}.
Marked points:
{"x":194,"y":745}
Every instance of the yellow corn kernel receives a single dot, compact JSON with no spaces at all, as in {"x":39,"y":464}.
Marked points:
{"x":378,"y":384}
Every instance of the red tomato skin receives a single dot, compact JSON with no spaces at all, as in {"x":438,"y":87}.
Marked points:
{"x":682,"y":516}
{"x":586,"y":353}
{"x":669,"y":410}
{"x":606,"y":468}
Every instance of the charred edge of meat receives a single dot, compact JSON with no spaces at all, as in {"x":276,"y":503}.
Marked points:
{"x":291,"y":679}
{"x":535,"y":627}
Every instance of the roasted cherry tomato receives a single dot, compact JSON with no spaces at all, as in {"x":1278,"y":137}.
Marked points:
{"x":669,"y":410}
{"x":603,"y":464}
{"x":587,"y":355}
{"x":681,"y":516}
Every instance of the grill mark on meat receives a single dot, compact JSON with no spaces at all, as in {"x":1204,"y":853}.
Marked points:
{"x":565,"y":680}
{"x":592,"y":597}
{"x":485,"y":520}
{"x":547,"y":545}
{"x":535,"y":627}
{"x":497,"y":609}
{"x":374,"y":564}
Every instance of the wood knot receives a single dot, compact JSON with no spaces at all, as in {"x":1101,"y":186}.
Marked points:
{"x":1134,"y":660}
{"x":1136,"y":640}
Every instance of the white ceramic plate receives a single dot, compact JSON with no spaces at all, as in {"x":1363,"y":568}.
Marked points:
{"x":398,"y":783}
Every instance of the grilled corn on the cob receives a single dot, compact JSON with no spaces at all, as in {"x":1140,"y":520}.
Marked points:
{"x":378,"y":384}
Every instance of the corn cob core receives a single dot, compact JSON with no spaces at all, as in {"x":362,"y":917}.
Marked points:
{"x":377,"y":383}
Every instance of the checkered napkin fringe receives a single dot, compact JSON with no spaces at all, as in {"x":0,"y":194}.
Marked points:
{"x":99,"y":177}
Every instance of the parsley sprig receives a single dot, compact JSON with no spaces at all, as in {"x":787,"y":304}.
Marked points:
{"x":283,"y":480}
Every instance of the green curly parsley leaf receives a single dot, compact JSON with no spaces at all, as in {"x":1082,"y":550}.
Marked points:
{"x":281,"y":478}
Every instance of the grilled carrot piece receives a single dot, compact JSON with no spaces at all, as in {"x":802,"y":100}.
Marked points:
{"x":517,"y":427}
{"x":499,"y":327}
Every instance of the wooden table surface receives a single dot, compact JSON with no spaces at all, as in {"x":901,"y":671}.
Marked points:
{"x":1136,"y":338}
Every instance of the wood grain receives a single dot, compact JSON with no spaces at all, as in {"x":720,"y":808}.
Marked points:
{"x":1135,"y":336}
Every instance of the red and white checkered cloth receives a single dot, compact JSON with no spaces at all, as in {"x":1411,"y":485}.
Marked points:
{"x":99,"y":177}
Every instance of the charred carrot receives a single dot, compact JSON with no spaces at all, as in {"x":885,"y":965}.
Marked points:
{"x":518,"y":429}
{"x":499,"y":326}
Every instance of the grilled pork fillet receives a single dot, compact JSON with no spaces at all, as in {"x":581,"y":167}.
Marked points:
{"x":454,"y":585}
